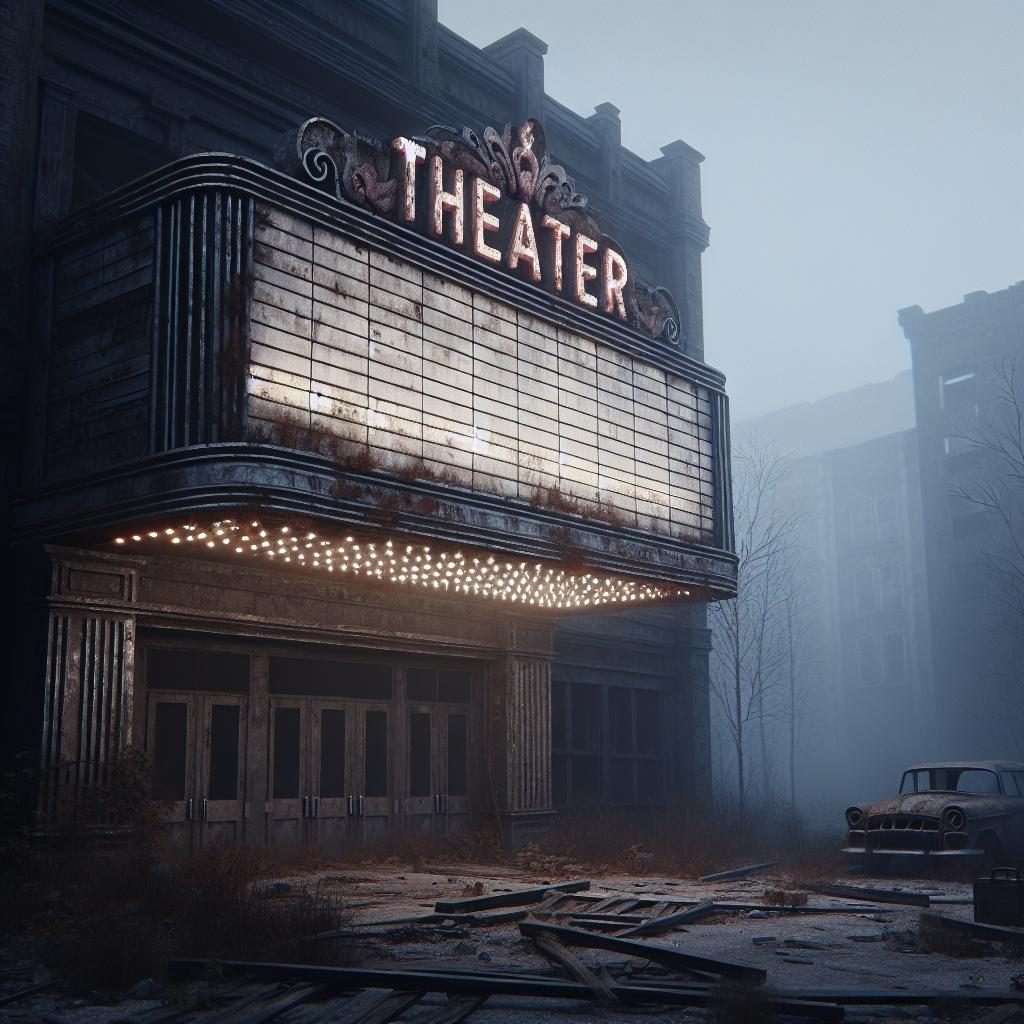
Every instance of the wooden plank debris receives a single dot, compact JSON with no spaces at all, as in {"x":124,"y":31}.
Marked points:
{"x":375,"y":1008}
{"x":667,"y":956}
{"x":457,"y":1009}
{"x":658,"y":925}
{"x":750,"y":869}
{"x":857,"y":892}
{"x":22,"y":993}
{"x":576,"y":969}
{"x":974,"y":929}
{"x":487,"y":984}
{"x":520,"y":898}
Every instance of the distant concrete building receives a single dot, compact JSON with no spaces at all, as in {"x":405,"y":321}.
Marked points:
{"x":958,"y":354}
{"x":852,"y":479}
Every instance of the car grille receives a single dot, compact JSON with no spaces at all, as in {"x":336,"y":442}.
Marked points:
{"x":886,"y":822}
{"x":902,"y":832}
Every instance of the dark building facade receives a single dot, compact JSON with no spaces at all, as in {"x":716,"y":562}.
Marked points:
{"x":320,"y":440}
{"x":967,"y":362}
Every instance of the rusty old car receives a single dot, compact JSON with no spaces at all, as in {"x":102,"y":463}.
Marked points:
{"x":946,"y":810}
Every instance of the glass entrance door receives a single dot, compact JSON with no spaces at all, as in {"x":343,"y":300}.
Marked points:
{"x":197,"y":746}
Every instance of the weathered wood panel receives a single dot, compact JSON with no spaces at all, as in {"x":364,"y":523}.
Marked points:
{"x":389,"y":366}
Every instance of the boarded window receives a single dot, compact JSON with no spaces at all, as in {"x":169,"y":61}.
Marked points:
{"x":170,"y":746}
{"x":332,"y":752}
{"x":224,"y":721}
{"x":458,"y":755}
{"x":419,"y":754}
{"x":286,"y":753}
{"x":375,"y":756}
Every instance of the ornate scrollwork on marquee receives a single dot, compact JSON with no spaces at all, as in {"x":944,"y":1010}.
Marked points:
{"x":515,"y":160}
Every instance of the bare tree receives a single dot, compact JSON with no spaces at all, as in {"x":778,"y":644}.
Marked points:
{"x":999,"y":491}
{"x":747,"y":654}
{"x":996,"y":487}
{"x":796,"y":642}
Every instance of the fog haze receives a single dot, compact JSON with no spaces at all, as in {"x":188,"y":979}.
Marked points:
{"x":860,"y":158}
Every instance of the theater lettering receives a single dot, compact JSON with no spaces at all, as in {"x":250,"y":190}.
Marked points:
{"x":497,"y":198}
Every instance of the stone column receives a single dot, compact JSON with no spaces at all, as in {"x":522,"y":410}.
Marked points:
{"x":688,"y":238}
{"x":519,"y":736}
{"x":522,"y":54}
{"x":90,"y":712}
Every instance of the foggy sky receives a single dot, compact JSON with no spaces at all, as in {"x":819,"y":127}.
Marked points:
{"x":861,"y":157}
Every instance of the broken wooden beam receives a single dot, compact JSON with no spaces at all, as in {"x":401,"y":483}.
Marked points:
{"x":487,"y":984}
{"x":658,"y":925}
{"x":750,"y":869}
{"x":974,"y":929}
{"x":668,"y":956}
{"x":457,"y":1009}
{"x":576,"y":969}
{"x":857,"y":892}
{"x":520,"y":898}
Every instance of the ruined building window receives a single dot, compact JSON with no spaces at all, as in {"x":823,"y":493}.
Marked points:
{"x":865,"y":598}
{"x":894,"y":659}
{"x":606,"y":744}
{"x":868,"y":666}
{"x":890,"y":587}
{"x":862,"y":522}
{"x":958,"y":394}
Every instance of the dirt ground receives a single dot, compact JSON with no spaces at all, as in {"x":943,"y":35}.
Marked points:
{"x":841,"y":950}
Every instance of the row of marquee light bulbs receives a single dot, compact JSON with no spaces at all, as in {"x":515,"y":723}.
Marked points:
{"x":529,"y":584}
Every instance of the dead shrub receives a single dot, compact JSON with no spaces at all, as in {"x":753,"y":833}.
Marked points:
{"x":947,"y":942}
{"x":737,"y":1002}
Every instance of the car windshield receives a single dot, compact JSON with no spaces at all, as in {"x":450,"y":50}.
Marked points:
{"x":980,"y":781}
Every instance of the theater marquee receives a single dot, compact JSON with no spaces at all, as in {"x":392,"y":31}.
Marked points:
{"x":425,"y":350}
{"x":497,"y":197}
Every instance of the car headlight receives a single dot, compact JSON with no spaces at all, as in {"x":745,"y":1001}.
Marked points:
{"x":854,"y":816}
{"x":954,"y":818}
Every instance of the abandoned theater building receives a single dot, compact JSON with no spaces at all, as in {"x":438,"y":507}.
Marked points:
{"x":370,"y":477}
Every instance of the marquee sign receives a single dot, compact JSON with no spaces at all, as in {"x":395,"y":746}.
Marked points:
{"x":498,"y":198}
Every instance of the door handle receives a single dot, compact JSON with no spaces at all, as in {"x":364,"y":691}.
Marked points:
{"x":305,"y":806}
{"x":204,"y":808}
{"x":351,"y":807}
{"x":188,"y":809}
{"x":362,"y":807}
{"x":316,"y":807}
